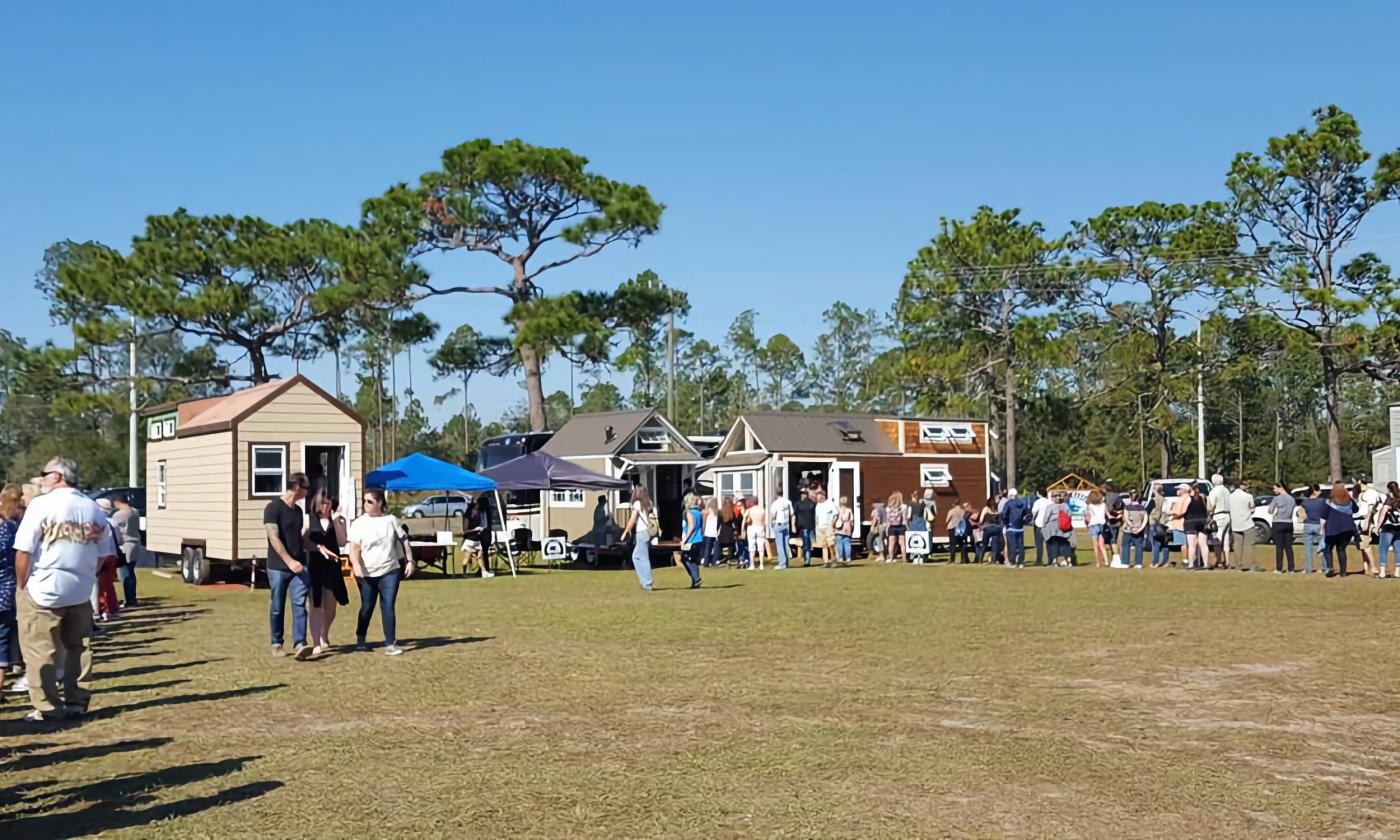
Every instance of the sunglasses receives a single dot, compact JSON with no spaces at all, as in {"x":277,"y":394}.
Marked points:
{"x":370,"y":500}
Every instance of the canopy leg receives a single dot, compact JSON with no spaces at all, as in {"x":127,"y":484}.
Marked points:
{"x":501,"y":512}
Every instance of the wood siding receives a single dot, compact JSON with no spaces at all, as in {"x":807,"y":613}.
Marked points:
{"x":882,"y":475}
{"x":197,"y":481}
{"x":912,"y":445}
{"x":296,"y":417}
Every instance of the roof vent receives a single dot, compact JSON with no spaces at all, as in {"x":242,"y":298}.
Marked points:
{"x":608,"y":434}
{"x":850,"y":433}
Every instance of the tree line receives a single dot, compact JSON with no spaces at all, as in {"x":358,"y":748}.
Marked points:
{"x":1083,"y":347}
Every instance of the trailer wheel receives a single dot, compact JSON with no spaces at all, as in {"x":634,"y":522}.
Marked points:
{"x":199,"y":566}
{"x":186,"y":573}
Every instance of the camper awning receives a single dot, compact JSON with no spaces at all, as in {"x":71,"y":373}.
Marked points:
{"x":424,"y":472}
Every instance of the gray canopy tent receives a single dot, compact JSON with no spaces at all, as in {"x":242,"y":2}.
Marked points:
{"x":544,"y":472}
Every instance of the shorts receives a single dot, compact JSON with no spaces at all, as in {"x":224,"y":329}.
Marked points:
{"x":1195,"y":526}
{"x":896,"y":530}
{"x":1095,"y":531}
{"x":826,"y":538}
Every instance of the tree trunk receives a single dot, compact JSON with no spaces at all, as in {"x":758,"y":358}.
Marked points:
{"x":1332,"y":400}
{"x":257,"y":361}
{"x":534,"y":386}
{"x":466,"y":418}
{"x":1164,"y":443}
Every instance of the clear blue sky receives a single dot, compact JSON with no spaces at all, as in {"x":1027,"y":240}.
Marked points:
{"x":805,"y":150}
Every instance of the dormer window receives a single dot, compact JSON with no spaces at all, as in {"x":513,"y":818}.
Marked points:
{"x":652,"y":440}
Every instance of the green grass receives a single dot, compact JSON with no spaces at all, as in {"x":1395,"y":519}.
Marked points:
{"x":874,"y":701}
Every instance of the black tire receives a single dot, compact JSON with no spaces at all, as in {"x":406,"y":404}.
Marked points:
{"x":186,"y":566}
{"x":418,"y":514}
{"x":1263,"y":535}
{"x":199,"y":567}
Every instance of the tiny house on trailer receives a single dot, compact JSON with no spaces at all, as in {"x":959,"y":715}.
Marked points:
{"x":213,"y":464}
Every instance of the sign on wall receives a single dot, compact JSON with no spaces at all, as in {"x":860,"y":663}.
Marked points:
{"x":553,"y":548}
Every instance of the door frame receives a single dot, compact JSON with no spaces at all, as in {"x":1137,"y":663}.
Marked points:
{"x":834,"y":473}
{"x":347,"y":481}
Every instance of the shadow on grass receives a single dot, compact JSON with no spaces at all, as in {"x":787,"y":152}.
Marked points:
{"x":113,"y":656}
{"x":114,"y":803}
{"x":139,"y":670}
{"x":129,"y":644}
{"x":128,"y":689}
{"x":33,"y":761}
{"x":181,"y":699}
{"x":444,"y":641}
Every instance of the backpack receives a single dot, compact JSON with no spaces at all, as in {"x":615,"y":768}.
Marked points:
{"x":960,"y":529}
{"x":1065,"y":522}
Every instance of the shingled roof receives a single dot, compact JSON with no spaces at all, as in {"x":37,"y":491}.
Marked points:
{"x":586,"y":434}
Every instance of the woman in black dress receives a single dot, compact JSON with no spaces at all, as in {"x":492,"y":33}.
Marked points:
{"x":1197,"y":537}
{"x":327,"y":582}
{"x":725,"y":540}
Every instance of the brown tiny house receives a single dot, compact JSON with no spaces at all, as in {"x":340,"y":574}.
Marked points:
{"x":213,"y":464}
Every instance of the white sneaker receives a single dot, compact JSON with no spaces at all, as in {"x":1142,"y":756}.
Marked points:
{"x":19,"y":686}
{"x":486,"y":573}
{"x":392,"y":650}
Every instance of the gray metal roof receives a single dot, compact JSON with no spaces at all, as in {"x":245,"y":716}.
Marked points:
{"x":586,"y":434}
{"x":746,"y":459}
{"x":819,"y":434}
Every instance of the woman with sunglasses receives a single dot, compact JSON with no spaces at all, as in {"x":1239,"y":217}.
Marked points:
{"x":376,"y":545}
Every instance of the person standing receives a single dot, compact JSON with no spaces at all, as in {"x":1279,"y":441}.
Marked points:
{"x":476,"y":539}
{"x":1113,"y":523}
{"x":692,"y":540}
{"x":1195,"y":522}
{"x":825,"y":515}
{"x":1059,"y":533}
{"x":128,"y":523}
{"x":879,"y":530}
{"x":1242,"y":528}
{"x":108,"y":606}
{"x":644,"y":527}
{"x":780,"y":519}
{"x":11,"y":509}
{"x":1368,"y":504}
{"x":323,"y":565}
{"x":1338,"y":530}
{"x":741,"y":532}
{"x":1135,"y":530}
{"x":709,"y":549}
{"x":1388,"y":523}
{"x":805,"y":520}
{"x":286,"y":565}
{"x":1159,"y":527}
{"x":1281,"y":511}
{"x":1096,"y":517}
{"x":1039,"y":509}
{"x":756,"y":527}
{"x":1218,"y":506}
{"x":959,"y":533}
{"x":61,"y":541}
{"x":993,"y":541}
{"x":1015,"y":514}
{"x":845,"y":528}
{"x":377,"y":547}
{"x":894,"y":516}
{"x":1313,"y":511}
{"x":726,"y":534}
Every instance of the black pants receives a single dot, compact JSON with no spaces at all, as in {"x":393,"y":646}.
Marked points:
{"x":1334,"y":551}
{"x":960,"y":541}
{"x":1283,"y":545}
{"x":991,"y":544}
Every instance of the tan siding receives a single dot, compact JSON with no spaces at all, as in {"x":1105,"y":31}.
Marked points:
{"x":197,"y":488}
{"x":578,"y":521}
{"x":295,"y":417}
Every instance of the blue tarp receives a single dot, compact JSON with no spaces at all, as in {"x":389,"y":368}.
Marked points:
{"x":423,"y":472}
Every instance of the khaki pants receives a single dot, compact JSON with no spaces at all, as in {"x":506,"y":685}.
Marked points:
{"x":1242,"y":552}
{"x":53,"y":638}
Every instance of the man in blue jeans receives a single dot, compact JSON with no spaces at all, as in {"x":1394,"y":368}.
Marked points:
{"x":779,"y":524}
{"x":1015,"y":513}
{"x":806,"y":518}
{"x":286,"y":565}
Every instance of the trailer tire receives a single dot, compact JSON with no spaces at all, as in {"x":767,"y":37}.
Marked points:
{"x":199,"y":566}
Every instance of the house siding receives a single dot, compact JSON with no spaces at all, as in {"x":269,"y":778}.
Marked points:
{"x":295,"y":417}
{"x":197,"y":481}
{"x":1395,"y":426}
{"x":578,"y":521}
{"x":912,"y":446}
{"x":882,"y":475}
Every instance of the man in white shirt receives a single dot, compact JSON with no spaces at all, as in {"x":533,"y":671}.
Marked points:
{"x":1040,"y":512}
{"x":1242,"y":525}
{"x":1218,"y":506}
{"x":826,"y":527}
{"x":1368,"y":504}
{"x":61,"y":541}
{"x":780,"y":523}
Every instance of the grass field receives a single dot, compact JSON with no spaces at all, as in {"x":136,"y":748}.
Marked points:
{"x":872,"y":701}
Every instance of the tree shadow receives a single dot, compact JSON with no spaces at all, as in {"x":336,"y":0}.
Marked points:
{"x":130,"y":644}
{"x":33,"y":761}
{"x":111,"y":804}
{"x":444,"y":641}
{"x":127,"y":689}
{"x":180,"y":699}
{"x":152,"y":669}
{"x":127,"y":654}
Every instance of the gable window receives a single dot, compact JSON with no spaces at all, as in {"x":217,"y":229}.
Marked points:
{"x":652,"y":440}
{"x":269,"y":476}
{"x":945,"y":433}
{"x":737,"y":485}
{"x":160,"y":484}
{"x":566,"y":498}
{"x":935,"y":475}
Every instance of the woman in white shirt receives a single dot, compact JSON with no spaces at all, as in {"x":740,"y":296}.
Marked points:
{"x":1096,"y":517}
{"x":376,"y":544}
{"x":643,"y":524}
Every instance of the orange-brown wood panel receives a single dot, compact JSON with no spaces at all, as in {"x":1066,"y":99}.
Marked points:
{"x":977,"y":446}
{"x":882,"y":475}
{"x":890,"y":429}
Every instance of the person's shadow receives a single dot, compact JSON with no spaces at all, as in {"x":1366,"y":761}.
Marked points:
{"x":444,"y":641}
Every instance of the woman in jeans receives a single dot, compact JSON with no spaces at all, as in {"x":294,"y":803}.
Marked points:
{"x":709,"y":552}
{"x":992,"y":541}
{"x":1338,"y":530}
{"x":845,"y":525}
{"x":1310,"y":514}
{"x":1388,"y":522}
{"x":643,"y":525}
{"x":1159,"y":532}
{"x":376,"y":544}
{"x":1096,"y":517}
{"x":11,"y":511}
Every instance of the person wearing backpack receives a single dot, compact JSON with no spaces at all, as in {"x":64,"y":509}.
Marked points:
{"x":1058,"y":533}
{"x":644,"y":526}
{"x":1389,"y":519}
{"x":1134,"y":530}
{"x":959,"y":532}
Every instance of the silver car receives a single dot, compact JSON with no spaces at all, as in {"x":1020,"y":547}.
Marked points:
{"x":448,"y":504}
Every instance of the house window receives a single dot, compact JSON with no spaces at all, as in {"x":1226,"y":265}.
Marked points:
{"x":566,"y":498}
{"x":160,"y":484}
{"x":737,"y":485}
{"x":269,"y":470}
{"x":935,"y":475}
{"x":652,"y":440}
{"x":943,"y":433}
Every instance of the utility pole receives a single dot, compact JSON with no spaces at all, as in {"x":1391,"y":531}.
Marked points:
{"x":1142,"y":442}
{"x":1278,"y":444}
{"x":131,"y":477}
{"x":1200,"y":405}
{"x":670,"y":358}
{"x":1239,"y":397}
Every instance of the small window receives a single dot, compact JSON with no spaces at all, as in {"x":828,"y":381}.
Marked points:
{"x":566,"y":498}
{"x":935,"y":475}
{"x":939,"y":433}
{"x":736,"y":485}
{"x":653,"y":440}
{"x":269,"y":470}
{"x":153,"y":431}
{"x":160,"y":484}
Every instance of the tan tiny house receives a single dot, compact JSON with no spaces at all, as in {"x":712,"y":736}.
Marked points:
{"x":212,"y":465}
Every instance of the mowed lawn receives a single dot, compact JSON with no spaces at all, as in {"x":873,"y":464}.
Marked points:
{"x":871,"y":701}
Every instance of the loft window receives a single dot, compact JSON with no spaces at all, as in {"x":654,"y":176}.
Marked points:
{"x":942,"y":433}
{"x":935,"y":475}
{"x":269,"y":476}
{"x":569,"y":497}
{"x":652,"y":440}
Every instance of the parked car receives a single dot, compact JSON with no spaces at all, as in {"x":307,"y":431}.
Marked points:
{"x":448,"y":504}
{"x":1264,"y":521}
{"x":136,"y":497}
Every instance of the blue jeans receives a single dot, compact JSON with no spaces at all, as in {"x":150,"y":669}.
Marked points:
{"x":1312,"y":544}
{"x":807,"y":536}
{"x":9,"y":639}
{"x":691,"y":558}
{"x":128,"y":576}
{"x":641,"y":562}
{"x":843,"y":547}
{"x":386,"y":589}
{"x":1390,"y":542}
{"x":780,"y":539}
{"x":1015,"y":547}
{"x":1132,"y":545}
{"x":1161,"y":550}
{"x":709,"y":553}
{"x":280,"y":580}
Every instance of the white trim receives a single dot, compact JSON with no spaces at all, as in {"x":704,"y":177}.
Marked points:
{"x":281,"y":472}
{"x":675,"y":433}
{"x":935,"y":475}
{"x":162,"y":480}
{"x":652,"y":463}
{"x":556,"y":502}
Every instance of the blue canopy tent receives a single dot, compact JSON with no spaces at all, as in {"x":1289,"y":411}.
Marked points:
{"x":424,"y":472}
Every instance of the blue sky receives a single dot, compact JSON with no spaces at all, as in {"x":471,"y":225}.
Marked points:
{"x":805,"y":150}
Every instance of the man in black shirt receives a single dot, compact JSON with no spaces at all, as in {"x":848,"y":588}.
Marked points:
{"x":286,"y":566}
{"x":806,"y":524}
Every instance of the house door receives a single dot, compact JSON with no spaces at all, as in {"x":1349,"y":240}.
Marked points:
{"x":845,"y":481}
{"x":667,"y":498}
{"x":327,"y":468}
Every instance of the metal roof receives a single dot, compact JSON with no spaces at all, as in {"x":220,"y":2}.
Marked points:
{"x":586,"y":434}
{"x":745,"y":459}
{"x":819,"y":434}
{"x":217,"y":414}
{"x":661,"y":457}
